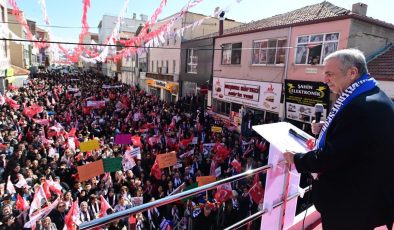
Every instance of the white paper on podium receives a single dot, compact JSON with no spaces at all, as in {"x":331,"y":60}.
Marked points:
{"x":280,"y":141}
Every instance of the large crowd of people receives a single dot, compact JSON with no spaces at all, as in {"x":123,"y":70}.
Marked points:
{"x":43,"y":123}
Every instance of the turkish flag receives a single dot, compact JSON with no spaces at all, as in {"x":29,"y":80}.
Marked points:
{"x":223,"y":193}
{"x":104,"y":206}
{"x":257,"y":191}
{"x":37,"y":108}
{"x":71,"y":220}
{"x":72,"y":132}
{"x":186,"y":142}
{"x":236,"y":165}
{"x":11,"y":102}
{"x":155,"y":171}
{"x":136,"y":140}
{"x":29,"y":112}
{"x":47,"y":191}
{"x":21,"y":204}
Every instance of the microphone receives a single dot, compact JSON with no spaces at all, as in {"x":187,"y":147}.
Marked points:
{"x":309,"y":142}
{"x":319,"y":108}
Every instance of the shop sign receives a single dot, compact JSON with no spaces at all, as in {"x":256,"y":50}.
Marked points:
{"x":301,"y":98}
{"x":261,"y":95}
{"x":161,"y":84}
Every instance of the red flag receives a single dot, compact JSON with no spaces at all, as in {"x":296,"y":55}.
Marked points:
{"x":104,"y":206}
{"x":21,"y":204}
{"x":155,"y":171}
{"x":132,"y":222}
{"x":41,"y":121}
{"x":54,"y":187}
{"x":47,"y":192}
{"x":154,"y":140}
{"x":186,"y":142}
{"x":223,"y":193}
{"x":236,"y":165}
{"x":72,"y":132}
{"x":29,"y":112}
{"x":247,"y":152}
{"x":11,"y":102}
{"x":11,"y":87}
{"x":36,"y":108}
{"x":136,"y":140}
{"x":71,"y":220}
{"x":257,"y":191}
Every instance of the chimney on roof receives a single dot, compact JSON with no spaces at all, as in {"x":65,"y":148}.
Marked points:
{"x":221,"y":21}
{"x":134,"y":16}
{"x":360,"y":9}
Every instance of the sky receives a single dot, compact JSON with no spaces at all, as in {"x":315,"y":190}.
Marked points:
{"x":68,"y":13}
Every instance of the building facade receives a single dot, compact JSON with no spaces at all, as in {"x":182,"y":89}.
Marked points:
{"x":128,"y":27}
{"x":164,"y":61}
{"x":274,"y":67}
{"x":4,"y":48}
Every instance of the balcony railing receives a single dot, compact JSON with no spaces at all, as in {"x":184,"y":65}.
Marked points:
{"x":176,"y":197}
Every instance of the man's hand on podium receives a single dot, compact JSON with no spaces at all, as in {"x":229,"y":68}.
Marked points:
{"x":316,"y":127}
{"x":289,"y":156}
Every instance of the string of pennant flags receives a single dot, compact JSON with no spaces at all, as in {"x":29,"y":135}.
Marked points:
{"x":135,"y":45}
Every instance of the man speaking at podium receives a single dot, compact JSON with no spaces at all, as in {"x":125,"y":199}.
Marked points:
{"x":353,"y":158}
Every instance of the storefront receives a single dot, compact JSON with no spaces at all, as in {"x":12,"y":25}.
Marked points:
{"x":234,"y":98}
{"x":301,"y":98}
{"x":166,"y":91}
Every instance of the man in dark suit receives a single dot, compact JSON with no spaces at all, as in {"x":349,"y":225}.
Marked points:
{"x":353,"y":157}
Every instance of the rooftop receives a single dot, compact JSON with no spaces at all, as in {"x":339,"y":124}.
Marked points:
{"x":308,"y":14}
{"x":382,"y":65}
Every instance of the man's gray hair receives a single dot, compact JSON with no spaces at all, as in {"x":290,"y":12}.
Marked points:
{"x":350,"y":58}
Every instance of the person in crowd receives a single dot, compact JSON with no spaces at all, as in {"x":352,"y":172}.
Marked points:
{"x":58,"y":215}
{"x":85,"y":213}
{"x":40,"y":149}
{"x":353,"y":183}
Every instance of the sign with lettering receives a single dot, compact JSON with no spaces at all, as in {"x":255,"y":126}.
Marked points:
{"x":161,"y":84}
{"x":301,"y":98}
{"x":262,"y":95}
{"x":167,"y":159}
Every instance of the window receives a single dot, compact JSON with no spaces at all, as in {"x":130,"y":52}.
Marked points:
{"x":157,"y":66}
{"x":3,"y":44}
{"x":173,"y":66}
{"x":270,"y":51}
{"x":312,"y":49}
{"x":192,"y":61}
{"x":153,"y":66}
{"x":221,"y":107}
{"x":231,"y":54}
{"x":166,"y":67}
{"x":142,"y":64}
